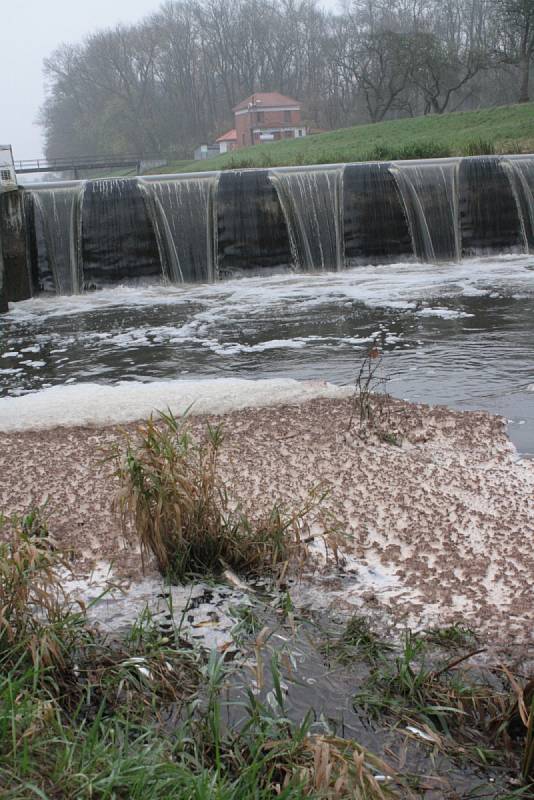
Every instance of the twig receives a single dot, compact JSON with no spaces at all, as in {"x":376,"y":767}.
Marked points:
{"x":457,"y":661}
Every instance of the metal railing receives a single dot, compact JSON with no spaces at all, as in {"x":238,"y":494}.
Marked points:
{"x":82,"y":162}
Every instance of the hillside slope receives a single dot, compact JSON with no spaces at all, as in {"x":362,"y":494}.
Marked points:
{"x":507,"y":129}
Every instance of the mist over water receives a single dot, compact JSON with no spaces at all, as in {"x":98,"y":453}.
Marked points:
{"x":459,"y":334}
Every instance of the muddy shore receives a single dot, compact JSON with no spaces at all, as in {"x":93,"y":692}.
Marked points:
{"x":436,"y":524}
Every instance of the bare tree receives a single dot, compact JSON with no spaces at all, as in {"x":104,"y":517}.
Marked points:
{"x":373,"y":55}
{"x":515,"y":19}
{"x":165,"y":84}
{"x":449,"y":49}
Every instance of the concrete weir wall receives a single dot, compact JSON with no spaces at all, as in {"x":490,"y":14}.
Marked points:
{"x":74,"y":236}
{"x":14,"y":273}
{"x":3,"y":292}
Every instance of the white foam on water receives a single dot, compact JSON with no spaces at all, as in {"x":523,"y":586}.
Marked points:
{"x":114,"y":605}
{"x":297,"y":343}
{"x":444,"y":313}
{"x":396,"y":286}
{"x":166,"y":334}
{"x":99,"y":404}
{"x":124,"y":296}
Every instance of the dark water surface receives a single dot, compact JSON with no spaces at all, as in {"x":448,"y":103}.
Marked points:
{"x":458,"y":334}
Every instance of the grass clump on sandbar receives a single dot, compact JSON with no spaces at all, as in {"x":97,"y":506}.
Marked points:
{"x":173,"y":498}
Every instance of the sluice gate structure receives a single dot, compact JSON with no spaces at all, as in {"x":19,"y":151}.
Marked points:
{"x":76,"y":236}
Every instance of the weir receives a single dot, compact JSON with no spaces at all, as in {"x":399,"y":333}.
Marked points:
{"x":74,"y":236}
{"x":430,"y":198}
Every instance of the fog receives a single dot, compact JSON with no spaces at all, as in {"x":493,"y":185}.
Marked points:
{"x":30,"y":30}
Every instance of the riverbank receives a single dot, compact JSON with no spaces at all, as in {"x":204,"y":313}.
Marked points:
{"x":431,"y":521}
{"x":374,"y":670}
{"x":490,"y":131}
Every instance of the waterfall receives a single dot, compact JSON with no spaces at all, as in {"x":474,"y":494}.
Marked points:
{"x":43,"y":279}
{"x":521,"y":175}
{"x":312,"y":201}
{"x":59,"y":229}
{"x":184,"y":214}
{"x":118,"y":241}
{"x":170,"y":265}
{"x":430,"y":196}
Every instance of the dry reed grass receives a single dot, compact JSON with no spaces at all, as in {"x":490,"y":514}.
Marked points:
{"x":337,"y":769}
{"x":42,"y":627}
{"x":37,"y":619}
{"x":371,"y":402}
{"x":172,"y":497}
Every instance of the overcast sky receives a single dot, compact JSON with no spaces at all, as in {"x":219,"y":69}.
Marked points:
{"x":30,"y":31}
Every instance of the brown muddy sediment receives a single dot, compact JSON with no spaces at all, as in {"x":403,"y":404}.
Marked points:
{"x":438,"y":530}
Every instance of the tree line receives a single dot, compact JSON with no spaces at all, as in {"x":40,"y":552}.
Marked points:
{"x":169,"y":82}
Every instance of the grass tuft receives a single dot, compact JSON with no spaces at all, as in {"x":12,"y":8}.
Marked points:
{"x":479,"y":147}
{"x":38,"y":624}
{"x":451,"y":637}
{"x":463,"y":712}
{"x":171,"y":494}
{"x":358,"y":641}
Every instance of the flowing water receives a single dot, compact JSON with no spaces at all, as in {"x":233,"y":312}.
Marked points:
{"x":210,"y":226}
{"x":430,"y":196}
{"x":459,"y":334}
{"x":184,"y":211}
{"x":311,"y":202}
{"x":59,"y":218}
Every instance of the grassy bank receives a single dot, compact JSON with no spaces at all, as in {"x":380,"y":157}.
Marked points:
{"x":148,"y":715}
{"x":140,"y":715}
{"x":508,"y":129}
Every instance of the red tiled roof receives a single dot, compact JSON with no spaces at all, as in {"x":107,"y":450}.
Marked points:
{"x":229,"y":136}
{"x":267,"y":100}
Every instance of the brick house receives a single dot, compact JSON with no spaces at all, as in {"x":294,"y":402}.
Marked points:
{"x":267,"y":117}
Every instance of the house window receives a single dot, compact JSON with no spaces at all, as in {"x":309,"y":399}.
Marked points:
{"x":5,"y":175}
{"x":259,"y":116}
{"x":287,"y":116}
